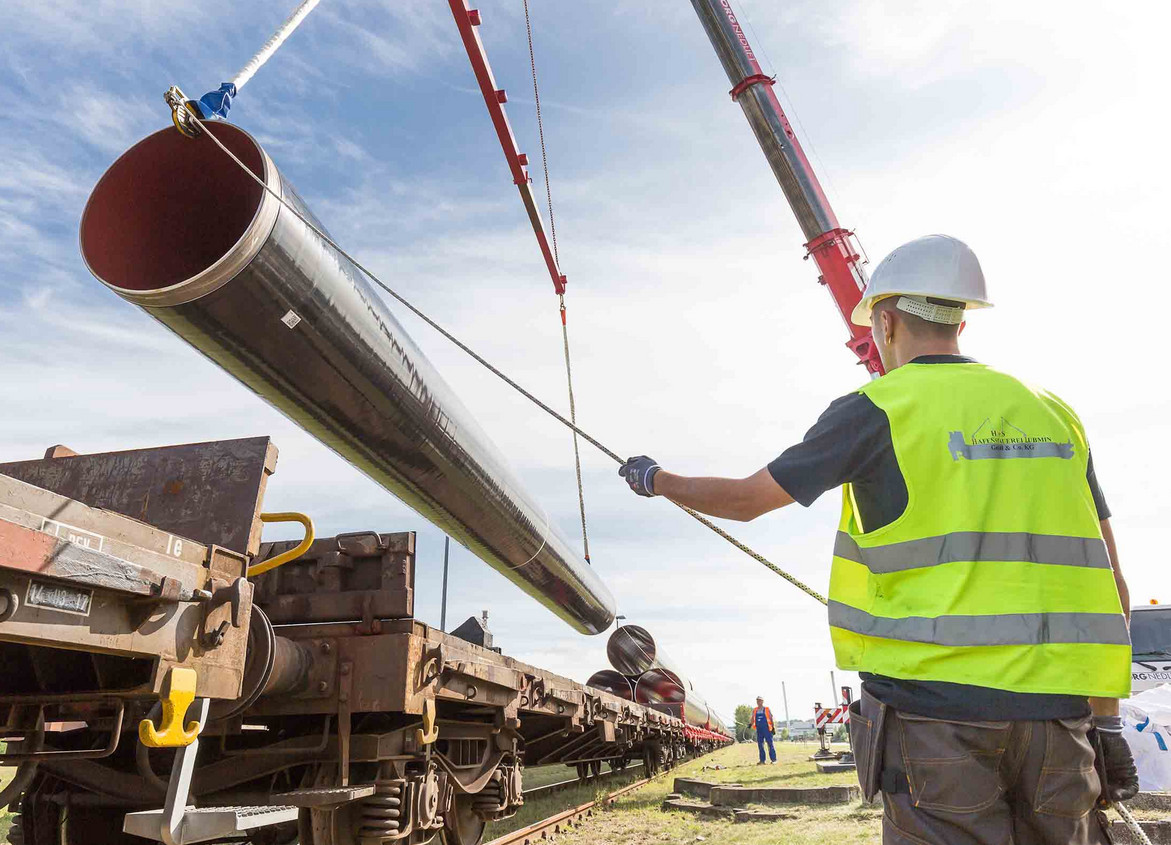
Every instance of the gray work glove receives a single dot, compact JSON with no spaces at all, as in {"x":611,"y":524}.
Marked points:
{"x":1116,"y":761}
{"x":639,"y":473}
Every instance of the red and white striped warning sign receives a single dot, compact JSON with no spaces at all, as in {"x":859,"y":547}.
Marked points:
{"x":831,"y":716}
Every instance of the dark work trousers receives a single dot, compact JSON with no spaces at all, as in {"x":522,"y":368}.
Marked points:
{"x":761,"y":738}
{"x":989,"y":783}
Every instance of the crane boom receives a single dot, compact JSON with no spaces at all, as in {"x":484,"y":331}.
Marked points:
{"x":467,"y":20}
{"x":830,"y":245}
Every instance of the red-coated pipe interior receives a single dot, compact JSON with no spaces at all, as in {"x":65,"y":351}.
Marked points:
{"x":612,"y":682}
{"x":169,"y":208}
{"x":659,"y":686}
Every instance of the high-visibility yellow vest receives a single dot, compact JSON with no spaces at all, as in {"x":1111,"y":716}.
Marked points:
{"x":996,"y":573}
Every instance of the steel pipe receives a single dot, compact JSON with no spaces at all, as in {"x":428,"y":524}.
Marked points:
{"x":716,"y":723}
{"x":661,"y":690}
{"x":612,"y":682}
{"x":176,"y":227}
{"x":660,"y":682}
{"x":632,"y":650}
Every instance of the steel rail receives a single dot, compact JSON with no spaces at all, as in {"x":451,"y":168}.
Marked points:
{"x":551,"y":788}
{"x":540,"y":831}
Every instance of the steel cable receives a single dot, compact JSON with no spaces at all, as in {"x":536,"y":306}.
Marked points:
{"x":541,"y":134}
{"x":585,"y":537}
{"x":610,"y":453}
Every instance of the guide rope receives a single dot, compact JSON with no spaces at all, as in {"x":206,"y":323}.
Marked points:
{"x":585,"y":537}
{"x":499,"y":374}
{"x":273,"y":44}
{"x":1131,"y":823}
{"x":218,"y":103}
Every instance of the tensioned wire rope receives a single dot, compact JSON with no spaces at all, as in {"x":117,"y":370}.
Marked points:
{"x":610,"y":453}
{"x":585,"y":537}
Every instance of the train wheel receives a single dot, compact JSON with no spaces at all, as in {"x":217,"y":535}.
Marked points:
{"x":96,"y":826}
{"x":15,"y":834}
{"x":44,"y":822}
{"x":38,"y":821}
{"x":462,"y":826}
{"x":650,"y":759}
{"x":595,"y":768}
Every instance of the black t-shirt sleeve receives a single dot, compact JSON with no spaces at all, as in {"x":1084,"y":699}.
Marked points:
{"x":851,"y":443}
{"x":847,"y":445}
{"x":1095,"y":490}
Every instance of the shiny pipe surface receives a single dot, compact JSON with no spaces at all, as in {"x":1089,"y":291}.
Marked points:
{"x":632,"y":651}
{"x":660,"y":689}
{"x":717,"y":724}
{"x":612,"y":682}
{"x":177,"y":228}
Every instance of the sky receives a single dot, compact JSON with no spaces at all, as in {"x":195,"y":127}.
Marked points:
{"x":1032,"y":131}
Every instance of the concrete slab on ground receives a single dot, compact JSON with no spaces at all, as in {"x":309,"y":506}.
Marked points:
{"x":700,"y":808}
{"x":761,"y":816}
{"x":736,"y":814}
{"x":830,"y":767}
{"x":739,"y":796}
{"x":1158,"y":832}
{"x":1157,"y":801}
{"x":696,"y":788}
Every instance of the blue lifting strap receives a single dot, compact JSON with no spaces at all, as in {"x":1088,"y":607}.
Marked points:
{"x":216,"y":103}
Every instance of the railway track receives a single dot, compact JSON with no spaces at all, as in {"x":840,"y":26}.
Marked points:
{"x":550,"y":788}
{"x":559,"y":822}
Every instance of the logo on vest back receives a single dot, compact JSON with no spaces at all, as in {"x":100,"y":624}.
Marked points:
{"x":1003,"y":442}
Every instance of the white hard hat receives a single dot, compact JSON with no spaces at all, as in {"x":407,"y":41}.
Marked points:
{"x":937,"y":266}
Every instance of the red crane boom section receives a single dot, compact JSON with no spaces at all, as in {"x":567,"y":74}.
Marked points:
{"x":467,"y":20}
{"x":831,"y":246}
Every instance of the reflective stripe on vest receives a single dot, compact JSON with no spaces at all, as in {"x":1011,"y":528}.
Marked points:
{"x":994,"y":629}
{"x":996,"y":574}
{"x":975,"y":546}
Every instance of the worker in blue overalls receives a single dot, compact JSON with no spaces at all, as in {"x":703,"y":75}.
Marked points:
{"x":762,"y":718}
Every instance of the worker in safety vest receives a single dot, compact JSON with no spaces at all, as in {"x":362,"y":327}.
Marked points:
{"x":762,"y":721}
{"x":975,"y":582}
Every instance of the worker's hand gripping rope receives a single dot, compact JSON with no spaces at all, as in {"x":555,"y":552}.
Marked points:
{"x":1118,"y":769}
{"x":639,"y":473}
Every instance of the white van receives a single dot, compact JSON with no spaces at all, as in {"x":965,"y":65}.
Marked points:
{"x":1150,"y":637}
